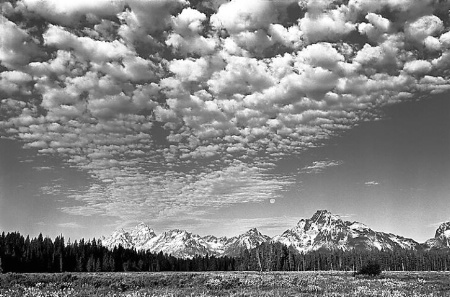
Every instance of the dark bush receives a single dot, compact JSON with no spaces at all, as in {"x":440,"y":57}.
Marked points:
{"x":371,"y":269}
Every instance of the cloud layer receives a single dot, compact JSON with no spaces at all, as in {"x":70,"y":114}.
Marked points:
{"x":175,"y":106}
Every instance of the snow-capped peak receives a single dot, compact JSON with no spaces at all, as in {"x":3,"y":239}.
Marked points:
{"x":181,"y":243}
{"x":324,"y":217}
{"x":252,"y":231}
{"x":325,"y":230}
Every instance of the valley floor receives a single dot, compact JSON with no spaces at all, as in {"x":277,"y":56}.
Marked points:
{"x":206,"y":284}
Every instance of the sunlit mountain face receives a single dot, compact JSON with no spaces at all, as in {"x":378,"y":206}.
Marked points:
{"x":220,"y":116}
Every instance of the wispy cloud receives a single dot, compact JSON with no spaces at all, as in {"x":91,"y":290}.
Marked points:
{"x":42,"y":168}
{"x":436,"y":225}
{"x":71,"y":225}
{"x":266,"y":225}
{"x":172,"y":194}
{"x":346,"y":216}
{"x":371,"y":183}
{"x":319,"y":166}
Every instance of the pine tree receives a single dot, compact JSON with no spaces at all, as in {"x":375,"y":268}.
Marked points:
{"x":1,"y":269}
{"x":98,"y":266}
{"x":90,"y":266}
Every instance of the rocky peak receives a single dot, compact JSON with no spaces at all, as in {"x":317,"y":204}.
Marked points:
{"x":143,"y":228}
{"x":177,"y":233}
{"x":120,"y":231}
{"x":324,"y":217}
{"x":210,"y":238}
{"x":443,"y":230}
{"x":142,"y":233}
{"x":253,"y":231}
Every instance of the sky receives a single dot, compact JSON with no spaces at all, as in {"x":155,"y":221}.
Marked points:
{"x":219,"y":116}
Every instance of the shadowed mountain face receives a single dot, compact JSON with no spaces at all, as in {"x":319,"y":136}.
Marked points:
{"x":323,"y":231}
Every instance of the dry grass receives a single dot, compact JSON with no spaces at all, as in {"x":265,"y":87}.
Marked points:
{"x":208,"y":284}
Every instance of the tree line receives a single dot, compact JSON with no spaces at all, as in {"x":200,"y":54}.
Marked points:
{"x":278,"y":257}
{"x":19,"y":254}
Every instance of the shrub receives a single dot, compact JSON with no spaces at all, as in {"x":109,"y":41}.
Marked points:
{"x":371,"y":269}
{"x":222,"y":283}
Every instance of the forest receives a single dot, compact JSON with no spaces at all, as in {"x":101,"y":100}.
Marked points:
{"x":20,"y":254}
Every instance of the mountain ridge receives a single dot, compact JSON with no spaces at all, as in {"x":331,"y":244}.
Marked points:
{"x":181,"y":243}
{"x":323,"y":231}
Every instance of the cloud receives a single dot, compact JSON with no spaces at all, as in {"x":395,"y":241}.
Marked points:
{"x":67,"y":13}
{"x":162,"y":103}
{"x":85,"y":47}
{"x":371,"y":183}
{"x":41,"y":168}
{"x":130,"y":195}
{"x":13,"y":82}
{"x":436,"y":225}
{"x":71,"y":225}
{"x":319,"y":166}
{"x":267,"y":225}
{"x":18,"y":48}
{"x":328,"y":26}
{"x":424,"y":27}
{"x":418,"y":67}
{"x":237,"y":16}
{"x":347,"y":216}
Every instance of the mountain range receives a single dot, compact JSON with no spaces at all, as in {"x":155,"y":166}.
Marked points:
{"x":323,"y":231}
{"x":183,"y":244}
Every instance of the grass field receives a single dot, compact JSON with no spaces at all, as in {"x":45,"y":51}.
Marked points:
{"x":207,"y":284}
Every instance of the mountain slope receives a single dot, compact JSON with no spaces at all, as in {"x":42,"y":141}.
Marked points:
{"x":441,"y":238}
{"x":183,"y":244}
{"x":249,"y":240}
{"x":178,"y":243}
{"x":327,"y":231}
{"x":135,"y":238}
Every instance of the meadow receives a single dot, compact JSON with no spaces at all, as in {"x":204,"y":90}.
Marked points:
{"x":208,"y":284}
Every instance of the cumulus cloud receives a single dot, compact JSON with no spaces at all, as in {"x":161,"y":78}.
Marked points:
{"x":68,"y":12}
{"x":17,"y":46}
{"x":325,"y":26}
{"x":237,"y":16}
{"x":418,"y":66}
{"x":163,"y":103}
{"x":85,"y":47}
{"x":424,"y":27}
